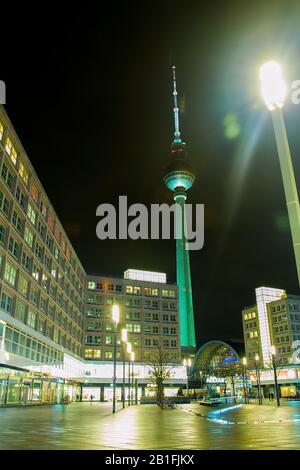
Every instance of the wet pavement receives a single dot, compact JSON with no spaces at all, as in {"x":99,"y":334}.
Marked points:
{"x":86,"y":426}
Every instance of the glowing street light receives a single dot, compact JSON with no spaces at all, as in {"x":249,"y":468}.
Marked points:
{"x":116,"y":319}
{"x":244,"y":362}
{"x":273,"y":89}
{"x":258,"y":379}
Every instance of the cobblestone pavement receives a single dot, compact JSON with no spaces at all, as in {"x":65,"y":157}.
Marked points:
{"x":86,"y":426}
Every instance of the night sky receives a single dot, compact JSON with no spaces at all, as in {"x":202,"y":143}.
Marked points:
{"x":89,"y":92}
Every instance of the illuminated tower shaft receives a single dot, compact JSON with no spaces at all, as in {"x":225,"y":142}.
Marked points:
{"x":179,"y":177}
{"x":186,"y":310}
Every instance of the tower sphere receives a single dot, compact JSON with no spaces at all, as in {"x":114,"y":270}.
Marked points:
{"x":179,"y":174}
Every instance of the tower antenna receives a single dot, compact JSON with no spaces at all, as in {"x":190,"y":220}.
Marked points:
{"x":177,"y":139}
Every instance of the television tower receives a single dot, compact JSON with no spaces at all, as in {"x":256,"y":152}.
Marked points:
{"x":179,"y":177}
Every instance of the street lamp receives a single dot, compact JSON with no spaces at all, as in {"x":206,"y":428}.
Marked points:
{"x":187,"y":363}
{"x":273,"y":353}
{"x":116,"y":319}
{"x":273,"y":89}
{"x":244,"y":362}
{"x":129,"y":349}
{"x":132,"y":358}
{"x":258,"y":379}
{"x":124,"y":341}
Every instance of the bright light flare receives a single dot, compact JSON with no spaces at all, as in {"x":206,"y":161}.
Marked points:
{"x":116,"y":313}
{"x":124,"y":335}
{"x":273,"y":87}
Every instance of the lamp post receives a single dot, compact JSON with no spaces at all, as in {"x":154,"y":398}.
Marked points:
{"x":132,"y":358}
{"x":244,"y":362}
{"x":124,"y":341}
{"x":187,"y":363}
{"x":129,"y":349}
{"x":273,"y":91}
{"x":273,"y":353}
{"x":258,"y":379}
{"x":116,"y":319}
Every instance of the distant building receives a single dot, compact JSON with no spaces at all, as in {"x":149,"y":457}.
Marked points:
{"x":274,"y":321}
{"x":148,"y":310}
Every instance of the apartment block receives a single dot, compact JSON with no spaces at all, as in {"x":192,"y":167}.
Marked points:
{"x":273,"y":322}
{"x":148,"y":310}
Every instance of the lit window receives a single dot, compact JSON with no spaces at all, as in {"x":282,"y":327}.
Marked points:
{"x":1,"y":130}
{"x":28,"y":237}
{"x":91,"y":285}
{"x":31,"y":214}
{"x":129,"y":289}
{"x":108,"y":354}
{"x":23,"y":285}
{"x":31,"y":319}
{"x":23,"y":173}
{"x":10,"y":150}
{"x":10,"y":274}
{"x":34,"y":192}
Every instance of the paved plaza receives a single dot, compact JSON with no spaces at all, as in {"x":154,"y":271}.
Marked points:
{"x":85,"y":426}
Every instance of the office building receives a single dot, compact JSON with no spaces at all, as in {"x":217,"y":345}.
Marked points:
{"x":148,"y":311}
{"x":274,"y":321}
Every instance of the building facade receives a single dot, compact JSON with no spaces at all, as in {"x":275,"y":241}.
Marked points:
{"x":273,"y":322}
{"x":42,"y":281}
{"x":148,"y":311}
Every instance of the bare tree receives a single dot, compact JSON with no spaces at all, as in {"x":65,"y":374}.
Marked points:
{"x":161,"y":365}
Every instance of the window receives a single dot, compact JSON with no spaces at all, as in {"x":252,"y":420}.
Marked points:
{"x":31,"y":319}
{"x":20,"y":311}
{"x":91,"y":285}
{"x":4,"y":204}
{"x":2,"y":234}
{"x":108,"y":354}
{"x":39,"y":251}
{"x":31,"y":214}
{"x":26,"y":261}
{"x":1,"y":130}
{"x":136,"y":328}
{"x":28,"y":237}
{"x":10,"y":150}
{"x":17,"y":222}
{"x":36,"y":272}
{"x":34,"y":192}
{"x":173,"y":343}
{"x":21,"y":198}
{"x":133,"y":315}
{"x":34,"y":296}
{"x":23,"y":285}
{"x":129,"y":289}
{"x":7,"y":176}
{"x":7,"y":302}
{"x":108,"y":340}
{"x":14,"y":247}
{"x":41,"y":325}
{"x":23,"y":173}
{"x":10,"y":274}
